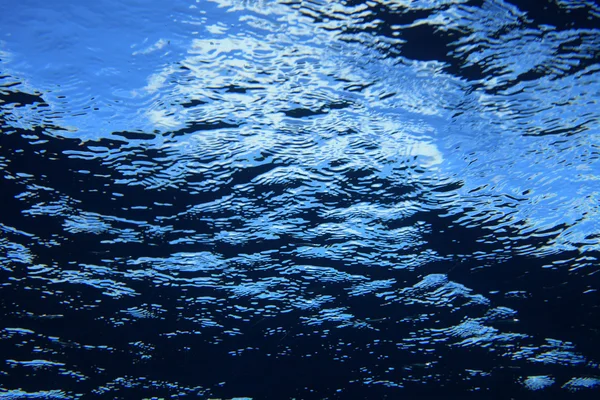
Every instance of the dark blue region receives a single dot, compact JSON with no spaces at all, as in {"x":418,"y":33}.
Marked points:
{"x":301,"y":220}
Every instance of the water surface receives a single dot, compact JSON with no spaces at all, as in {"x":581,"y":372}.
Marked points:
{"x":310,"y":200}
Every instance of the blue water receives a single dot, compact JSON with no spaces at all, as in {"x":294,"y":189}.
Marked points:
{"x":299,"y":199}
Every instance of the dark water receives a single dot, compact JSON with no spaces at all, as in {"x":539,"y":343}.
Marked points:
{"x":300,"y":200}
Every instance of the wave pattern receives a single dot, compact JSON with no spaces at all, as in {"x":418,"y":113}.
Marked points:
{"x":308,"y":199}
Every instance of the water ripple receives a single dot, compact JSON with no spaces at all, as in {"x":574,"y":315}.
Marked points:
{"x":389,"y":196}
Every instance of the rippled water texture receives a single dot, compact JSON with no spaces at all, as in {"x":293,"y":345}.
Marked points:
{"x":310,"y":200}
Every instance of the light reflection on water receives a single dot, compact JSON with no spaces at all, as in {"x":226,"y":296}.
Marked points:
{"x":382,"y":189}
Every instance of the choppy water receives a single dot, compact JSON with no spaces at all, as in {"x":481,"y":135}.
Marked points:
{"x":283,"y":199}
